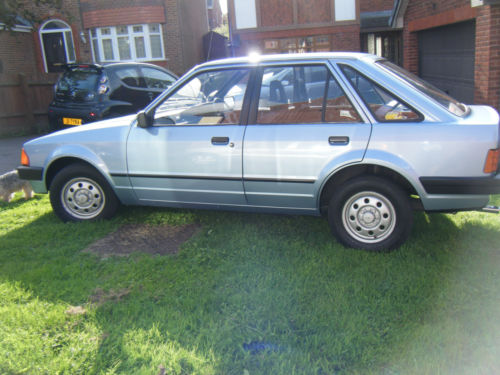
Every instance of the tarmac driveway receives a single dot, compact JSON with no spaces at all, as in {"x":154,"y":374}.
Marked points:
{"x":10,"y":152}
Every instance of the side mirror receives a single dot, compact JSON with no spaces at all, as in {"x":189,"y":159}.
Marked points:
{"x":144,"y":120}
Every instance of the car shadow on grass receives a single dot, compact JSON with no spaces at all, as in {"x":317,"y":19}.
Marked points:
{"x":244,"y":280}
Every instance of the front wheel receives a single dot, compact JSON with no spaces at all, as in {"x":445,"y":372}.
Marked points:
{"x":79,"y":193}
{"x":370,"y":213}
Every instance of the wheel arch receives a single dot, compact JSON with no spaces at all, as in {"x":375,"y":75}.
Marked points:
{"x":349,"y":172}
{"x":60,"y":163}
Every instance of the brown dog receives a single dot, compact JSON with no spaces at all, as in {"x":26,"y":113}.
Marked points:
{"x":10,"y":183}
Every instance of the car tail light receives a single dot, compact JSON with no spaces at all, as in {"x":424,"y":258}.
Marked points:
{"x":492,"y":160}
{"x":25,"y":160}
{"x":103,"y":89}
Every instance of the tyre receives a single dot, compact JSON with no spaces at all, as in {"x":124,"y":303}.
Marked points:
{"x":370,"y":213}
{"x":79,"y":193}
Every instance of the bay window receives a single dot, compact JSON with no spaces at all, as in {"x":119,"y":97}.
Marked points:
{"x":127,"y":43}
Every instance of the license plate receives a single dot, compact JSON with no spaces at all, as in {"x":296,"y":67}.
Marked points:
{"x":72,"y":121}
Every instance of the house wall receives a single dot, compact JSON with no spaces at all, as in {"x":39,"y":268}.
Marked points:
{"x":426,"y":14}
{"x":281,"y":23}
{"x":375,"y":5}
{"x":17,"y":53}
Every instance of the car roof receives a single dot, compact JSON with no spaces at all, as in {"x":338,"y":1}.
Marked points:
{"x":256,"y":59}
{"x":116,"y":65}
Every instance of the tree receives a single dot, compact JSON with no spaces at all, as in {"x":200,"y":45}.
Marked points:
{"x":12,"y":12}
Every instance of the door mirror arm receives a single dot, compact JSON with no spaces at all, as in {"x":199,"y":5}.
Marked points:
{"x":144,"y":119}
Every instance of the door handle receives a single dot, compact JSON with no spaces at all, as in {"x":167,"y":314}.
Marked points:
{"x":220,"y":141}
{"x":338,"y":140}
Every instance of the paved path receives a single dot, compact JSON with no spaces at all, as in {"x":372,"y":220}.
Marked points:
{"x":10,"y":152}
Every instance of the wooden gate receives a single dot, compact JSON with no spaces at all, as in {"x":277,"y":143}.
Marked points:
{"x":23,"y":103}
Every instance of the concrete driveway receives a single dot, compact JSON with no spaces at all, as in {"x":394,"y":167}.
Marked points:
{"x":10,"y":152}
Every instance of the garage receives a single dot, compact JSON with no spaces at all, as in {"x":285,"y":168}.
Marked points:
{"x":446,"y":59}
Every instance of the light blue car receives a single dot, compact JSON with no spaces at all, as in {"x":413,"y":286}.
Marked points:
{"x":348,"y":135}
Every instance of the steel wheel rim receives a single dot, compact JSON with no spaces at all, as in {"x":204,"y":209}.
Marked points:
{"x":369,"y":217}
{"x":83,"y":198}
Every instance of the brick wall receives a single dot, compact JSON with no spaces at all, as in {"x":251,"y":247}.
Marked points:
{"x":375,"y":5}
{"x":487,"y":74}
{"x":17,"y":53}
{"x":426,"y":14}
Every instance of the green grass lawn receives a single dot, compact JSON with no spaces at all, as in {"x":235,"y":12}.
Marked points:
{"x":248,"y":294}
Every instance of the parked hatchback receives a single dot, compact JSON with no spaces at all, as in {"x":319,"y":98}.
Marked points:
{"x":87,"y":92}
{"x":347,"y":135}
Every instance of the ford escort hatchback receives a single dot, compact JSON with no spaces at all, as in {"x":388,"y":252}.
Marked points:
{"x":347,"y":135}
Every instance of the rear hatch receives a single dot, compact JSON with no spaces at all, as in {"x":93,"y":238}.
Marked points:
{"x":78,"y":84}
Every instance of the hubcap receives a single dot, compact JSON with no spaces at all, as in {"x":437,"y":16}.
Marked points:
{"x":83,"y":198}
{"x":369,"y":217}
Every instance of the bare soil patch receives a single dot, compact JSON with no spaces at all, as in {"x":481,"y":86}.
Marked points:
{"x":151,"y":239}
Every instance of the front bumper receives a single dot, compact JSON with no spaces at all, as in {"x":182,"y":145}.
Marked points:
{"x":30,"y":173}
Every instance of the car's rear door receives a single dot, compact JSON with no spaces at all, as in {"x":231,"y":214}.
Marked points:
{"x":301,"y":127}
{"x":193,"y":152}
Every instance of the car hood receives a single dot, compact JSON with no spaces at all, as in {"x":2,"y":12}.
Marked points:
{"x":76,"y":133}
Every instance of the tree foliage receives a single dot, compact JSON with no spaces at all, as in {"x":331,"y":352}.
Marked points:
{"x":13,"y":12}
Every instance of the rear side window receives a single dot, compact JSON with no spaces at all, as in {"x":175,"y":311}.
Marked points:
{"x":303,"y":95}
{"x":384,"y":106}
{"x":157,"y":79}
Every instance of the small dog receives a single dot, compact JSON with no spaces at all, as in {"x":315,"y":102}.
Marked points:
{"x":10,"y":183}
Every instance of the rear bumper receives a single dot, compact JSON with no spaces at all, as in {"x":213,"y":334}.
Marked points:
{"x":461,"y":185}
{"x":56,"y":115}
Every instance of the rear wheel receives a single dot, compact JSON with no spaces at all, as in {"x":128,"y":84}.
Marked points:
{"x":370,"y":213}
{"x":79,"y":193}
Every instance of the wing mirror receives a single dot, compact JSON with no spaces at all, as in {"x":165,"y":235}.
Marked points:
{"x":144,"y":120}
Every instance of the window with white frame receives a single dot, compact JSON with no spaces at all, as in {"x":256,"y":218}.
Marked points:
{"x":128,"y":43}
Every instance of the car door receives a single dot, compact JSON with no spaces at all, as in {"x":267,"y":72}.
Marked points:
{"x":127,"y":88}
{"x":192,"y":155}
{"x":301,"y":127}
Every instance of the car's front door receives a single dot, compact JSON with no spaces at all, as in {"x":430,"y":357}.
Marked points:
{"x":193,"y":152}
{"x":302,"y":127}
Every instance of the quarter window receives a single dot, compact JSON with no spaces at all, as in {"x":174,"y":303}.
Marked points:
{"x":384,"y":106}
{"x":128,"y":43}
{"x":210,"y":98}
{"x":302,"y":95}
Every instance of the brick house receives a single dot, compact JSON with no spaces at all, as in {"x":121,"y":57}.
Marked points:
{"x":164,"y":32}
{"x":454,"y":44}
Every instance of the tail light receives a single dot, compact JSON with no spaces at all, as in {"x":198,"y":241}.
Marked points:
{"x":25,"y":160}
{"x":492,"y":161}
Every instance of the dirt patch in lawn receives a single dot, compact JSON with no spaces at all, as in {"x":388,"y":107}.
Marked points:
{"x":151,"y":239}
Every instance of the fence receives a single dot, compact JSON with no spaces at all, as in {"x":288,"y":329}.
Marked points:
{"x":23,"y":103}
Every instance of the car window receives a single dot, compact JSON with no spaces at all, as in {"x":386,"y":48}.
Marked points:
{"x":302,"y":94}
{"x":384,"y":106}
{"x":451,"y":104}
{"x":78,"y":83}
{"x":157,"y":79}
{"x":129,"y":76}
{"x":209,"y":98}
